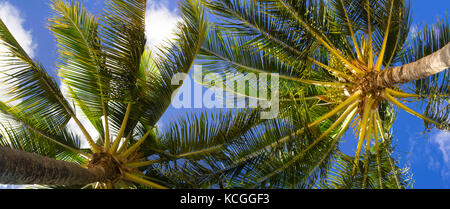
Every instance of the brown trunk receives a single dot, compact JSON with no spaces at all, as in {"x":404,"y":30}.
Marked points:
{"x":423,"y":68}
{"x":18,"y":167}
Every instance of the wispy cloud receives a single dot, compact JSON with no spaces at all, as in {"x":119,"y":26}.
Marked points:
{"x":441,"y":142}
{"x":13,"y":19}
{"x":433,"y":153}
{"x":442,"y":139}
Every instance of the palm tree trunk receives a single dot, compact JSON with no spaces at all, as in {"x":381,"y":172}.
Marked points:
{"x":423,"y":68}
{"x":18,"y":167}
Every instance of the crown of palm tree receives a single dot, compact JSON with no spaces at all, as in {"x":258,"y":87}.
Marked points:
{"x":116,"y":81}
{"x":338,"y":54}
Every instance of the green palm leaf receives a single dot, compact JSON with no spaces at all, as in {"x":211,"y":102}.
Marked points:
{"x":32,"y":91}
{"x":81,"y":62}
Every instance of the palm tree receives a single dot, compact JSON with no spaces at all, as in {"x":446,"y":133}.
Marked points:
{"x":121,"y":86}
{"x":338,"y":61}
{"x":123,"y":89}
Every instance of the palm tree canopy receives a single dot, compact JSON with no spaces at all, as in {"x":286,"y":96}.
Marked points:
{"x":341,"y":60}
{"x":331,"y":58}
{"x":118,"y":83}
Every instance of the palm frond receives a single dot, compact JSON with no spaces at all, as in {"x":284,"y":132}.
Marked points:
{"x":175,"y":58}
{"x":81,"y":65}
{"x":276,"y":36}
{"x":20,"y":137}
{"x":123,"y":33}
{"x":32,"y":91}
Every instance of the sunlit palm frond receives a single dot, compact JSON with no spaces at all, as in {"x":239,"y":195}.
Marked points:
{"x":352,"y":21}
{"x":29,"y":88}
{"x":82,"y":64}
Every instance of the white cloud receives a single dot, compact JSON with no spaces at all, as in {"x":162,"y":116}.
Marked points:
{"x":161,"y":24}
{"x":434,"y":153}
{"x":442,"y":139}
{"x":433,"y":164}
{"x":13,"y":19}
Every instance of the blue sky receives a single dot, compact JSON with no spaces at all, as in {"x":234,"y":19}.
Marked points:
{"x":427,"y":155}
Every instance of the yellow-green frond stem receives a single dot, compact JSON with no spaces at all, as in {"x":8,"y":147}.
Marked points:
{"x":211,"y":149}
{"x":317,"y":83}
{"x":333,"y":112}
{"x":351,"y":110}
{"x":384,"y":137}
{"x":142,"y":164}
{"x":91,"y":142}
{"x":345,"y":125}
{"x":135,"y":146}
{"x":385,"y":39}
{"x":125,"y":143}
{"x":139,"y":180}
{"x":368,"y":140}
{"x":377,"y":148}
{"x":336,"y":110}
{"x":320,"y":37}
{"x":332,"y":70}
{"x":107,"y":137}
{"x":370,"y":36}
{"x":341,"y":106}
{"x":352,"y":34}
{"x":121,"y":131}
{"x":362,"y":130}
{"x":407,"y":109}
{"x":395,"y":49}
{"x":400,"y":94}
{"x":256,"y":70}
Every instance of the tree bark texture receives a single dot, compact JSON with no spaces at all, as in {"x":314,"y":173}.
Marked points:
{"x":19,"y":167}
{"x":423,"y":68}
